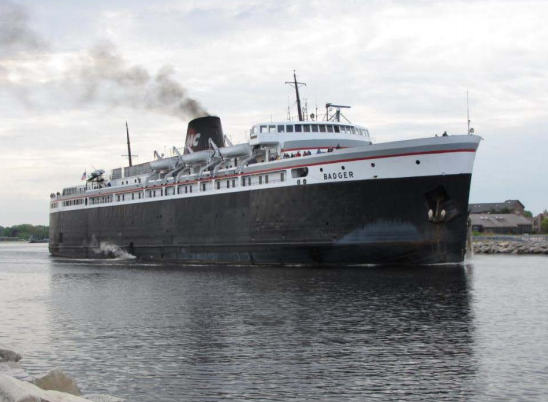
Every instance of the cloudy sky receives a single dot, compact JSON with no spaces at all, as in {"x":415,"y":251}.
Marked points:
{"x":72,"y":73}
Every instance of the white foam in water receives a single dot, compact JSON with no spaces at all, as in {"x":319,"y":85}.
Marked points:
{"x":112,"y":249}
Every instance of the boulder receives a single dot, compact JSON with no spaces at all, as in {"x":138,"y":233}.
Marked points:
{"x":14,"y":390}
{"x":14,"y":369}
{"x":8,"y":355}
{"x":103,"y":398}
{"x":56,"y":380}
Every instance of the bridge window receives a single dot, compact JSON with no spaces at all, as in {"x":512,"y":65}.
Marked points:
{"x":264,"y":129}
{"x":271,"y":129}
{"x":330,"y":128}
{"x":289,"y":129}
{"x":322,"y":128}
{"x":314,"y":128}
{"x":337,"y":129}
{"x":298,"y":128}
{"x":280,"y":128}
{"x":306,"y":128}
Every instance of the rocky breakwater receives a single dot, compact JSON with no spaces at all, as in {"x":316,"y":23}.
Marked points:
{"x":16,"y":385}
{"x":510,"y":247}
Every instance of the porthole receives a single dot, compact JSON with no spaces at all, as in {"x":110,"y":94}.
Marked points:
{"x":418,"y":162}
{"x":321,"y":169}
{"x":342,"y":167}
{"x":372,"y":165}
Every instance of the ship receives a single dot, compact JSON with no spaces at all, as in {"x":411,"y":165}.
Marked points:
{"x":304,"y":191}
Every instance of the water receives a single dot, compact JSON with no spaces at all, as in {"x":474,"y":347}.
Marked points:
{"x":172,"y":333}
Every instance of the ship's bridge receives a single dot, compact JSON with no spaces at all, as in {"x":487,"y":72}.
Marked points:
{"x":309,"y":135}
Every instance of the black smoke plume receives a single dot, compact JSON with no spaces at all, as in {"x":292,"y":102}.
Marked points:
{"x":105,"y":76}
{"x":16,"y":37}
{"x":101,"y":76}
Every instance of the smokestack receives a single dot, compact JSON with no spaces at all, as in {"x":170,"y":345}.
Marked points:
{"x":199,"y":132}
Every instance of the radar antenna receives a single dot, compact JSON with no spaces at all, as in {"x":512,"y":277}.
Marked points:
{"x":337,"y":115}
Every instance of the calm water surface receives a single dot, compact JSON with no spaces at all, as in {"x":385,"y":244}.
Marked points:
{"x":172,"y":333}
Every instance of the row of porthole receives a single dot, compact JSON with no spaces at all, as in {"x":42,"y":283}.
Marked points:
{"x":418,"y":162}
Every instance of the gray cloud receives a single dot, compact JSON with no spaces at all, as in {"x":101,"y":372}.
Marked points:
{"x":404,"y":67}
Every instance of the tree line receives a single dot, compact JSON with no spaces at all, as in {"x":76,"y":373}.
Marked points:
{"x":25,"y":231}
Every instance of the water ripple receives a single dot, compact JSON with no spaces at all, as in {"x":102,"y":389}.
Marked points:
{"x":172,"y":333}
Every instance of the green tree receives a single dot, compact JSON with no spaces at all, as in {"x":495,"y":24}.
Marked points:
{"x":25,"y":231}
{"x":528,"y":214}
{"x":544,"y":225}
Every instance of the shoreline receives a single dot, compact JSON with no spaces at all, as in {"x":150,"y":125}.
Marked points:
{"x":513,"y":247}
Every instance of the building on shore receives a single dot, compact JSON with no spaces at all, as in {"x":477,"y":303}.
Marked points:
{"x":510,"y":223}
{"x":507,"y":207}
{"x":537,"y":221}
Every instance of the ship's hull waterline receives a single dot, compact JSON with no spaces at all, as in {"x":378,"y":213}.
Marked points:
{"x":379,"y":221}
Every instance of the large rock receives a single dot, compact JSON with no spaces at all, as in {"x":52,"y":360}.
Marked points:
{"x":8,"y":355}
{"x":14,"y":390}
{"x":56,"y":380}
{"x":14,"y":369}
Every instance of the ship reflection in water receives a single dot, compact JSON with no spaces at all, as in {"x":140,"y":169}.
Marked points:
{"x":187,"y":333}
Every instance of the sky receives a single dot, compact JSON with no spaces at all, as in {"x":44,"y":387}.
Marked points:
{"x":72,"y":74}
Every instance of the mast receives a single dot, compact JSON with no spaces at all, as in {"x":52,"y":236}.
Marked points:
{"x":128,"y":146}
{"x":467,"y":112}
{"x":296,"y":84}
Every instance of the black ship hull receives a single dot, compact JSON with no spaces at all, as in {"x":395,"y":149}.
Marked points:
{"x":359,"y":222}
